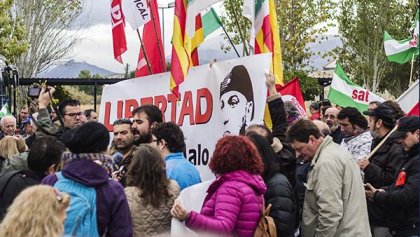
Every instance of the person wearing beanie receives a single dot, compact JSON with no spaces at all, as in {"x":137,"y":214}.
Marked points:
{"x":236,"y":101}
{"x":381,"y":168}
{"x":88,"y":165}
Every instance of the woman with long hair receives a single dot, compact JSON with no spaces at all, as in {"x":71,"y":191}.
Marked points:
{"x":38,"y":211}
{"x":150,"y":194}
{"x":234,"y":201}
{"x":10,"y":146}
{"x":280,"y":193}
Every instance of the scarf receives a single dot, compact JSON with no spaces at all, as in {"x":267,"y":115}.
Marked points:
{"x":101,"y":159}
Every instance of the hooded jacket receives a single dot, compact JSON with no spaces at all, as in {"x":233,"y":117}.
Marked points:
{"x":113,"y":214}
{"x":233,"y":205}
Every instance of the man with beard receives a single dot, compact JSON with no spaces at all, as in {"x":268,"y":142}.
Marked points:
{"x":330,"y":118}
{"x":123,"y":145}
{"x":144,"y":117}
{"x":380,"y":169}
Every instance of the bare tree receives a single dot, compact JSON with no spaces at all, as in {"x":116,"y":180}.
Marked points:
{"x":47,"y":25}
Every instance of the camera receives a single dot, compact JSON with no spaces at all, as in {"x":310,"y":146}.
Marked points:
{"x":34,"y":91}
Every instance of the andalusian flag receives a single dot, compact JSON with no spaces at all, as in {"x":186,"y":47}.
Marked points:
{"x":5,"y":110}
{"x":344,"y":92}
{"x":187,"y":36}
{"x":265,"y":32}
{"x":402,"y":51}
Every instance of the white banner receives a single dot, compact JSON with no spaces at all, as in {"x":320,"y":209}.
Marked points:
{"x":136,"y":12}
{"x":213,"y":102}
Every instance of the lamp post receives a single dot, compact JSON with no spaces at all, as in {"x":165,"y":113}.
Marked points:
{"x":169,"y":5}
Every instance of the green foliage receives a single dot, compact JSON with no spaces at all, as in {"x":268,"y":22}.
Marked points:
{"x":47,"y":23}
{"x":300,"y":22}
{"x":361,"y":26}
{"x":12,"y":33}
{"x":61,"y":94}
{"x":309,"y":86}
{"x":87,"y":89}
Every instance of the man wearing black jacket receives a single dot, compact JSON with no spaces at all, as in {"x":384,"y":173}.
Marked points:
{"x":43,"y":159}
{"x":400,"y":201}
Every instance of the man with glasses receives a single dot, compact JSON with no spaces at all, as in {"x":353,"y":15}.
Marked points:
{"x":71,"y":112}
{"x":122,"y":147}
{"x":144,"y":117}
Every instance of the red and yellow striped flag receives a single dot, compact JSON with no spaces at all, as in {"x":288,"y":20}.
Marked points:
{"x":265,"y":30}
{"x":184,"y":48}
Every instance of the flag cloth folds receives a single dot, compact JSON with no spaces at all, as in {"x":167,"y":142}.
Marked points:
{"x":211,"y":22}
{"x":290,"y":93}
{"x":153,"y":45}
{"x":187,"y":36}
{"x":5,"y":110}
{"x":409,"y":100}
{"x":118,"y":33}
{"x":344,"y":92}
{"x":265,"y":36}
{"x":136,"y":12}
{"x":402,"y":51}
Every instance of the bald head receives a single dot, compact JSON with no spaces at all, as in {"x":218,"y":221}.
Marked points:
{"x":331,"y":118}
{"x":323,"y":127}
{"x":8,"y":125}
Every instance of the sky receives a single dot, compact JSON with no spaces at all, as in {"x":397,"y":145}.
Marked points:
{"x":96,"y":48}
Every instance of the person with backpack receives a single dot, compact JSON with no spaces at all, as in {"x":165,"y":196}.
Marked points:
{"x":98,"y":205}
{"x":42,"y":160}
{"x":234,"y":201}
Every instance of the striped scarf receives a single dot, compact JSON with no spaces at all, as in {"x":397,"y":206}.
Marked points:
{"x":101,"y":159}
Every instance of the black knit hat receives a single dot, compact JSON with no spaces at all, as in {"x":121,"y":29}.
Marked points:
{"x":91,"y":137}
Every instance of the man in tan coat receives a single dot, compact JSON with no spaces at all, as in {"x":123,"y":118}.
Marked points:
{"x":334,"y":199}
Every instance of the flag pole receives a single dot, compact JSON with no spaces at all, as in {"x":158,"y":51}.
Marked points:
{"x":156,"y":35}
{"x":238,"y":27}
{"x":144,"y":52}
{"x":411,"y":71}
{"x":230,"y":40}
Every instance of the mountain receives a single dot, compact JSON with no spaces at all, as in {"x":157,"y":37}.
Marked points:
{"x":72,"y":68}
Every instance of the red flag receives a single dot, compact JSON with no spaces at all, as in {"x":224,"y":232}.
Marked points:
{"x":292,"y":93}
{"x":118,"y":33}
{"x":153,"y":45}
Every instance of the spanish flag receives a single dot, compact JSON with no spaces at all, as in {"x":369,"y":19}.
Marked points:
{"x":265,"y":34}
{"x":184,"y":48}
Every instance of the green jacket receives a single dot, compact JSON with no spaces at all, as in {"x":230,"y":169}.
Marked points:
{"x":335,"y":203}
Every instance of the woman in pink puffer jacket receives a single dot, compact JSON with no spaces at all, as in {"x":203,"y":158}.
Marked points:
{"x":234,"y":200}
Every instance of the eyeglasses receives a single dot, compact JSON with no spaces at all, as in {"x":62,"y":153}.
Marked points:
{"x":73,"y":115}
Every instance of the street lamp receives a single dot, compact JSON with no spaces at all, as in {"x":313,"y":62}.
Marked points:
{"x":169,"y":5}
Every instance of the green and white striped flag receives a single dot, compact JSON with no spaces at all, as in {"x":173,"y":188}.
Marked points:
{"x":402,"y":51}
{"x":345,"y":93}
{"x":5,"y":110}
{"x":211,"y":22}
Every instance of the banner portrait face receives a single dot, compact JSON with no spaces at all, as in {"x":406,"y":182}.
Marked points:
{"x":214,"y":102}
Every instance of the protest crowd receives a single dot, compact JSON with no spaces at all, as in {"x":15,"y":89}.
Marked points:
{"x":336,"y":172}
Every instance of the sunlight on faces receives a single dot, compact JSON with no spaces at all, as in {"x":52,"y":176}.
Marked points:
{"x":72,"y":116}
{"x":236,"y":110}
{"x":305,"y":150}
{"x":123,"y":137}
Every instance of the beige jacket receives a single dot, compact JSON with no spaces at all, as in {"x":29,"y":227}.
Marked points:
{"x":147,"y":220}
{"x":335,"y":203}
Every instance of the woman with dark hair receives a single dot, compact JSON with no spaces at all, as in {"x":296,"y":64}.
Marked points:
{"x":234,"y":201}
{"x":150,"y":194}
{"x":280,"y":192}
